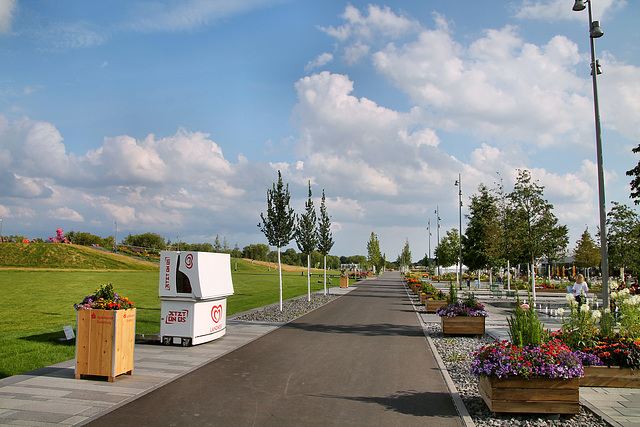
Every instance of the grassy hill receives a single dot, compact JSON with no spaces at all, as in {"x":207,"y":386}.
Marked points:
{"x":65,"y":257}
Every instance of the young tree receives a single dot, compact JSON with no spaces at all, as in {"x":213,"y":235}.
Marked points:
{"x":325,"y":238}
{"x":374,"y":257}
{"x":278,"y":225}
{"x":623,"y":237}
{"x":533,"y":221}
{"x":586,"y":253}
{"x":447,"y":250}
{"x":404,"y":259}
{"x":306,"y":236}
{"x":635,"y":182}
{"x":482,"y":225}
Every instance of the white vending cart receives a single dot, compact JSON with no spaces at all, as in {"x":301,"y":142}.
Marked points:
{"x":193,"y":288}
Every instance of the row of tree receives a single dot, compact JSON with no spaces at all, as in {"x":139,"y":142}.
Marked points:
{"x":521,"y":227}
{"x":281,"y":224}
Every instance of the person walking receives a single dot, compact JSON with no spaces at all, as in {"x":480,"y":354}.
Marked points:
{"x":580,"y":289}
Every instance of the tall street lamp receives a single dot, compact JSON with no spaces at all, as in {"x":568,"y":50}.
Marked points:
{"x":429,"y":254}
{"x":437,"y":212}
{"x":595,"y":32}
{"x":459,"y":185}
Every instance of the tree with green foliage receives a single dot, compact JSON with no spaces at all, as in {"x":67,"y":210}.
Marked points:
{"x":374,"y":257}
{"x":146,"y":240}
{"x":325,"y":238}
{"x":533,"y":222}
{"x":278,"y":225}
{"x":447,"y":251}
{"x":623,"y":237}
{"x":306,"y":235}
{"x":256,"y":251}
{"x":483,"y":222}
{"x":587,"y":253}
{"x":404,"y":259}
{"x":635,"y":182}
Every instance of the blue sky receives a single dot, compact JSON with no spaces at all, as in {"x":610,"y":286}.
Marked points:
{"x":174,"y":117}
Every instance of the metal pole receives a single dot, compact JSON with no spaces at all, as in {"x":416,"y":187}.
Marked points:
{"x":429,"y":254}
{"x":604,"y":253}
{"x":460,"y":229}
{"x":437,"y":212}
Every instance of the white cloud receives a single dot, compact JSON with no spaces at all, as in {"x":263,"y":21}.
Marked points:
{"x":7,"y":8}
{"x":65,"y":214}
{"x":152,"y":16}
{"x":320,"y":61}
{"x":553,"y":10}
{"x":498,"y":87}
{"x":360,"y":31}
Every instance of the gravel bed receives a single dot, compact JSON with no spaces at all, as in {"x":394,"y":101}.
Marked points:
{"x":291,"y":309}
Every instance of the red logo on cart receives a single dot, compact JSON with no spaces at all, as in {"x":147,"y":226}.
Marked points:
{"x":188,"y":261}
{"x":216,"y":313}
{"x":176,"y":317}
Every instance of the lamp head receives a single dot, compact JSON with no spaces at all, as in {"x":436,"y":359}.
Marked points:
{"x":579,"y":5}
{"x":596,"y":31}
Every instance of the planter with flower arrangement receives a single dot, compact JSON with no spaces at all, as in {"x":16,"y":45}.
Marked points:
{"x":106,"y":332}
{"x":433,"y":297}
{"x":610,"y":359}
{"x":462,"y":317}
{"x":528,"y":374}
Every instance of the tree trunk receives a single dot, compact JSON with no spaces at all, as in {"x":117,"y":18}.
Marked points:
{"x":325,"y":274}
{"x":533,"y":279}
{"x":308,"y":277}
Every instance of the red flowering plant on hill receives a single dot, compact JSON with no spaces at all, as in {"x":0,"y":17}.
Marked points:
{"x":104,"y":298}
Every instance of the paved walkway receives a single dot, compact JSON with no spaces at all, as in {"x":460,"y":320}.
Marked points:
{"x":51,"y":395}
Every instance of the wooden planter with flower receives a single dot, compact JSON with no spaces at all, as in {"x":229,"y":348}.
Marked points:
{"x":534,"y":395}
{"x":463,"y":325}
{"x":603,"y":376}
{"x":466,"y":317}
{"x":105,"y":338}
{"x":432,"y":305}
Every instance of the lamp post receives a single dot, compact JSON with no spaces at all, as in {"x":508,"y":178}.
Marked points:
{"x":115,"y":238}
{"x":429,"y":254}
{"x":595,"y":32}
{"x":437,"y":212}
{"x":459,"y":185}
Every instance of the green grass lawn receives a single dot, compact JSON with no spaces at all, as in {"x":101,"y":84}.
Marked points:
{"x":36,"y":304}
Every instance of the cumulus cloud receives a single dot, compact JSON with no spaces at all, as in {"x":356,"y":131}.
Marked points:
{"x":359,"y":31}
{"x":65,"y":214}
{"x":7,"y":8}
{"x":320,"y":61}
{"x":553,"y":10}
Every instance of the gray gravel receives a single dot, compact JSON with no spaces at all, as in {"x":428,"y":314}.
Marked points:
{"x":291,"y":309}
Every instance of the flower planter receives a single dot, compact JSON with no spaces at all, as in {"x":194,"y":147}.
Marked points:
{"x":462,"y":325}
{"x":603,"y":376}
{"x":423,"y":298}
{"x":433,"y":305}
{"x":104,"y":342}
{"x":534,"y":395}
{"x":344,"y":282}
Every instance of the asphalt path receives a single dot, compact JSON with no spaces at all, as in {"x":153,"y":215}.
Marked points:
{"x":361,"y":360}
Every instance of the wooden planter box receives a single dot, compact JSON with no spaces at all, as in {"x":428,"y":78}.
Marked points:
{"x":344,"y":282}
{"x":462,"y":325}
{"x":603,"y":376}
{"x":104,"y":342}
{"x":433,"y":305}
{"x":533,"y":395}
{"x":423,"y":298}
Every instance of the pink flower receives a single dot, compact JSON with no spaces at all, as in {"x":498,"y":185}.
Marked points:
{"x":525,"y":306}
